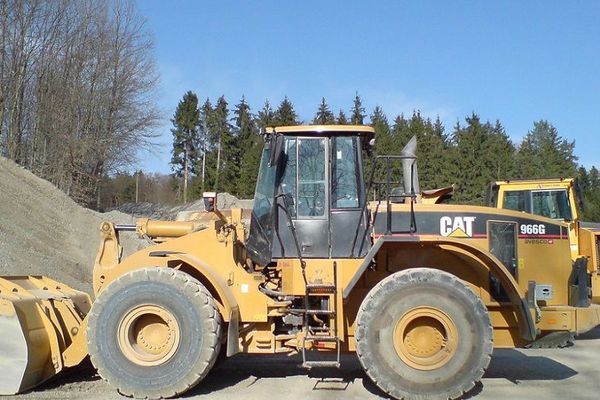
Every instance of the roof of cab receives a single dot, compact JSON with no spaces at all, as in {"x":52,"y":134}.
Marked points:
{"x":320,"y":129}
{"x":535,"y":181}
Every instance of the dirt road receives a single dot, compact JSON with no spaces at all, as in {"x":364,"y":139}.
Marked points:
{"x":560,"y":374}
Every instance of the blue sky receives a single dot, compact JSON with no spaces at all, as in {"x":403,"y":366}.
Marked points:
{"x":509,"y":60}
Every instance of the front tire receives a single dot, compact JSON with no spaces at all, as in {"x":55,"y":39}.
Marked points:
{"x":154,"y":333}
{"x":423,"y":334}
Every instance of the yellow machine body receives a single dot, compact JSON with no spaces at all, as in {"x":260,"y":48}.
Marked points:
{"x":559,"y":198}
{"x":523,"y":267}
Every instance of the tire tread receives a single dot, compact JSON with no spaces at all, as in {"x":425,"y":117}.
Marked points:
{"x":383,"y":288}
{"x":193,"y":289}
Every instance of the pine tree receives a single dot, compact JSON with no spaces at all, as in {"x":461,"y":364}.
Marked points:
{"x":543,"y":153}
{"x":324,"y":116}
{"x":500,"y":153}
{"x":358,"y":111}
{"x":207,"y":114}
{"x":226,"y":164}
{"x":589,"y":183}
{"x":401,"y":133}
{"x":285,"y":114}
{"x":480,"y":155}
{"x":266,"y":116}
{"x":341,"y":118}
{"x":433,"y":167}
{"x":384,"y":145}
{"x":250,"y":146}
{"x":186,"y":136}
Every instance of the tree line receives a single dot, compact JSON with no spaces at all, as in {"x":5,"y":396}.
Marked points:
{"x":215,"y":148}
{"x":77,"y":85}
{"x":77,"y":103}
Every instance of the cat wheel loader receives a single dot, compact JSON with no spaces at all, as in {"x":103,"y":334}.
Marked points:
{"x":327,"y":261}
{"x":558,"y":199}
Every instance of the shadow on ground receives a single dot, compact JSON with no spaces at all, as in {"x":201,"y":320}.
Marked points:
{"x":508,"y":364}
{"x":257,"y":367}
{"x":77,"y":376}
{"x":512,"y":365}
{"x":591,"y":335}
{"x":515,"y":366}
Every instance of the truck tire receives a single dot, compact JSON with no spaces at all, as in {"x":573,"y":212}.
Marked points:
{"x":154,"y":333}
{"x":423,"y":334}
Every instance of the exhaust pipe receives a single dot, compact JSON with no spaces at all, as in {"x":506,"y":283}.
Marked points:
{"x":409,"y":167}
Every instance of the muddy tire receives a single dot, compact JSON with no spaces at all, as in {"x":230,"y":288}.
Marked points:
{"x":154,"y":333}
{"x":423,"y":334}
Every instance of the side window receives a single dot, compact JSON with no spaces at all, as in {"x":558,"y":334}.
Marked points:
{"x":345,"y":176}
{"x":552,"y":204}
{"x":312,"y":196}
{"x":515,"y":200}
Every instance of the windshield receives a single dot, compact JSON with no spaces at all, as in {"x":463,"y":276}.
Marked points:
{"x":261,"y":222}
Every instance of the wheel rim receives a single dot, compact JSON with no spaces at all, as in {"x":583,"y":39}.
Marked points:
{"x":425,"y":338}
{"x":148,"y":335}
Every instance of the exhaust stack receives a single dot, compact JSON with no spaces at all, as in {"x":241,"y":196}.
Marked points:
{"x":409,"y":167}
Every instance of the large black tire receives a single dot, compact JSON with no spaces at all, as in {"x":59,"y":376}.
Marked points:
{"x":187,"y":312}
{"x":423,"y":334}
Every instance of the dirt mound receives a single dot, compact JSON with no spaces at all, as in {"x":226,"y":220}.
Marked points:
{"x":146,"y":210}
{"x":44,"y":232}
{"x":158,"y":211}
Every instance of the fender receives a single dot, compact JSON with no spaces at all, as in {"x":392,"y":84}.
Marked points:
{"x":528,"y":329}
{"x":231,"y":310}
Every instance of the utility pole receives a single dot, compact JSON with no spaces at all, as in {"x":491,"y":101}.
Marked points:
{"x":137,"y":185}
{"x":204,"y":152}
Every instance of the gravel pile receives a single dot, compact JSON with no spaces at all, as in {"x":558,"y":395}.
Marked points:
{"x":44,"y":232}
{"x":225,"y":201}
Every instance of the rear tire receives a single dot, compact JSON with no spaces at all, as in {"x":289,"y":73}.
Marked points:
{"x":423,"y":334}
{"x":154,"y":333}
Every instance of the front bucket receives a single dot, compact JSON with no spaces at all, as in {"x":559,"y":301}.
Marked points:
{"x":13,"y":350}
{"x":40,"y":330}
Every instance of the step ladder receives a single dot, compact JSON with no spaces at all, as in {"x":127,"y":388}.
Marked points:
{"x":328,"y":333}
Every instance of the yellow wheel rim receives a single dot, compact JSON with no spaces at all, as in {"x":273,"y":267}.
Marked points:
{"x":148,"y":335}
{"x":425,"y":338}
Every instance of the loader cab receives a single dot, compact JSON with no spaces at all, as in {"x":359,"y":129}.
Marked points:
{"x":558,"y":198}
{"x":319,"y":171}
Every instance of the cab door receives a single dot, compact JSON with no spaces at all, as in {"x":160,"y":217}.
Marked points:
{"x":305,"y":176}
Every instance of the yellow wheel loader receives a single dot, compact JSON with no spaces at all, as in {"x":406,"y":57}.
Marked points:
{"x":558,"y":199}
{"x":327,"y":261}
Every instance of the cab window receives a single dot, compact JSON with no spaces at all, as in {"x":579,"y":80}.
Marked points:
{"x":311,"y":177}
{"x":345,"y":176}
{"x":552,"y":204}
{"x":516,"y":200}
{"x":304,"y":176}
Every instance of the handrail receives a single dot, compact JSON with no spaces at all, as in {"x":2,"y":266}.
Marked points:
{"x":412,"y":195}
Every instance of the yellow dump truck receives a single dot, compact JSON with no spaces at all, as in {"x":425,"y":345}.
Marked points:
{"x":422,"y":292}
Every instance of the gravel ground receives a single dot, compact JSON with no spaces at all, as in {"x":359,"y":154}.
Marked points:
{"x":548,"y":374}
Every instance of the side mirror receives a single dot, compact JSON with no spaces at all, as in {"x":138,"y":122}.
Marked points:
{"x":276,"y":146}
